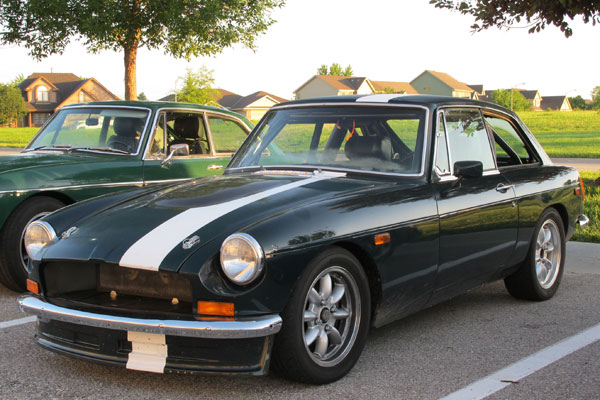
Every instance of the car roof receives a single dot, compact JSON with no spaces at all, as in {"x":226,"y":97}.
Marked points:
{"x":428,"y":101}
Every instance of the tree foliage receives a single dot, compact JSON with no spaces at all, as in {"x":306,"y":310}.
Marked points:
{"x":182,"y":28}
{"x":578,"y":103}
{"x":595,"y":98}
{"x":197,"y":87}
{"x":335,"y":69}
{"x":12,"y":104}
{"x":519,"y":102}
{"x":16,"y":81}
{"x":536,"y":14}
{"x":142,"y":96}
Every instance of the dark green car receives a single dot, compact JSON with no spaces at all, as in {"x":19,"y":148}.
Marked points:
{"x":91,"y":149}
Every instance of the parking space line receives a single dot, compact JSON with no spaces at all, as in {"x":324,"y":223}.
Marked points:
{"x":15,"y":322}
{"x":525,"y":367}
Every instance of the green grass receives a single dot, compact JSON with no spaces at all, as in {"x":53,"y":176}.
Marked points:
{"x":591,"y":208}
{"x":16,"y":137}
{"x":566,"y":134}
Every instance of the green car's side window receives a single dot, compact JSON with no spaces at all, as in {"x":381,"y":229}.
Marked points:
{"x":227,"y":135}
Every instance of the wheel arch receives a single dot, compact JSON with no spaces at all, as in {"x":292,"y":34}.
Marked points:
{"x":66,"y":200}
{"x":564,"y":215}
{"x":370,"y":268}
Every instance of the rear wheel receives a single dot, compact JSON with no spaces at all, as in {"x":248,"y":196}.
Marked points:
{"x":326,"y":321}
{"x":540,"y":274}
{"x":13,"y":257}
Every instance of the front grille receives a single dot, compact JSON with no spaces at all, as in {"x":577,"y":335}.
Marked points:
{"x":110,"y":285}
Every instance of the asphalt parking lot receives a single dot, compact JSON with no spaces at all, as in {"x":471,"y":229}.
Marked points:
{"x":543,"y":350}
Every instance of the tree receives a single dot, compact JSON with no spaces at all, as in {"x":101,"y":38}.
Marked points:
{"x":536,"y":13}
{"x":142,"y":96}
{"x":595,"y":98}
{"x":197,"y":87}
{"x":12,"y":104}
{"x":519,"y":102}
{"x":17,"y":80}
{"x":334,"y":69}
{"x":578,"y":103}
{"x":183,"y":28}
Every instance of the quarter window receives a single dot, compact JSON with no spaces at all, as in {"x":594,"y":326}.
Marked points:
{"x":509,"y":146}
{"x":227,"y":135}
{"x":442,"y":161}
{"x":468,"y":138}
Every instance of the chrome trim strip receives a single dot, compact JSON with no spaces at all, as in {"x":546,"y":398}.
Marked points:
{"x":323,"y":168}
{"x":582,"y":221}
{"x":46,"y":189}
{"x":248,"y":327}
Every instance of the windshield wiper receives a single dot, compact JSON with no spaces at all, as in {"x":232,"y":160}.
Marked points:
{"x":107,"y":149}
{"x":53,"y":147}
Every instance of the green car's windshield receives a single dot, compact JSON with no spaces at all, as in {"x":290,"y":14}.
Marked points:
{"x":116,"y":130}
{"x":374,"y":139}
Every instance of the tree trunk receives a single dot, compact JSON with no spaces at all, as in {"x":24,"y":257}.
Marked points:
{"x":130,"y":79}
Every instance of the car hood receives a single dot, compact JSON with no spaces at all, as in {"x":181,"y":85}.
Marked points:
{"x":165,"y":227}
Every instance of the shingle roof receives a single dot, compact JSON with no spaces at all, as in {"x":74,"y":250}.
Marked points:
{"x":244,"y":102}
{"x":477,"y":88}
{"x":552,"y":102}
{"x":227,"y":98}
{"x":340,"y":82}
{"x":397,"y":87}
{"x":528,"y":94}
{"x":450,"y":81}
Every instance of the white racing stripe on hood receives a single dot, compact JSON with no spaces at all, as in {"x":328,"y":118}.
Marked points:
{"x":150,"y":250}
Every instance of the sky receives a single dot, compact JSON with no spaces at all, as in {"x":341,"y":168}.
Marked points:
{"x":383,"y":40}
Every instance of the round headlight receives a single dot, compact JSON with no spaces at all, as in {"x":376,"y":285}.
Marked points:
{"x":37,"y":235}
{"x":242,"y":258}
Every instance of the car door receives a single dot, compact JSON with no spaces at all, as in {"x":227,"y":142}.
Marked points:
{"x":478,"y":216}
{"x":211,"y":139}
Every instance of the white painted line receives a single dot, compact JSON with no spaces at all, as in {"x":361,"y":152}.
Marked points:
{"x":15,"y":322}
{"x":525,"y":367}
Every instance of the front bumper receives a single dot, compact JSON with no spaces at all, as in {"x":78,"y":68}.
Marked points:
{"x":582,"y":221}
{"x":239,"y":346}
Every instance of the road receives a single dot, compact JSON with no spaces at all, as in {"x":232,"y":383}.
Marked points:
{"x":429,"y":355}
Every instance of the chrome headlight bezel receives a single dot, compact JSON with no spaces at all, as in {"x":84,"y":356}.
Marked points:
{"x":237,"y":271}
{"x":34,"y":245}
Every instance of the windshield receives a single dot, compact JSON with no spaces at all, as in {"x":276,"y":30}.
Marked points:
{"x":374,"y":139}
{"x":112,"y":129}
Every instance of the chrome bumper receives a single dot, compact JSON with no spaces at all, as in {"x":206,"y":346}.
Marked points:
{"x":582,"y":221}
{"x":248,"y":327}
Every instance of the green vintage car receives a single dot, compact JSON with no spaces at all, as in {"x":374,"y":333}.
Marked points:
{"x":89,"y":149}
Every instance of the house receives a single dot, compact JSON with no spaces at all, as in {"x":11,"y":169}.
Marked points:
{"x":441,"y":84}
{"x":393,"y":87}
{"x":478,"y":89}
{"x":46,"y":92}
{"x":332,"y":85}
{"x":253,"y":106}
{"x":556,"y":103}
{"x":533,"y":96}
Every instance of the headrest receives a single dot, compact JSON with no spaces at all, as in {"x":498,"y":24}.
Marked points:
{"x":186,"y":127}
{"x":127,"y":126}
{"x":368,"y":146}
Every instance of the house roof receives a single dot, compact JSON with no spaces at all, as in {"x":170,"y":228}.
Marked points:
{"x":397,"y":87}
{"x":448,"y":80}
{"x":528,"y":94}
{"x":227,"y":99}
{"x":477,"y":88}
{"x":338,"y":82}
{"x":553,"y":102}
{"x":244,"y":102}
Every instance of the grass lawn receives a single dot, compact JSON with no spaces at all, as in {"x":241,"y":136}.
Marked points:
{"x":592,"y":208}
{"x":16,"y":137}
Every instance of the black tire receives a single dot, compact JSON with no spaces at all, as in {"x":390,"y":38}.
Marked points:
{"x":540,"y":274}
{"x":13,"y":267}
{"x":343,"y":318}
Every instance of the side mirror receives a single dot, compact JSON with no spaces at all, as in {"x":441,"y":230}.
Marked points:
{"x":468,"y":169}
{"x":180,"y":149}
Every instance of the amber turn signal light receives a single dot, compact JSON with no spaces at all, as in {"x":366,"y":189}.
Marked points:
{"x":33,"y":286}
{"x":382,"y":238}
{"x":580,"y":190}
{"x":215,"y":308}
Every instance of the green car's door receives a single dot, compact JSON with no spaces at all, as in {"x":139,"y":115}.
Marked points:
{"x":210,"y":137}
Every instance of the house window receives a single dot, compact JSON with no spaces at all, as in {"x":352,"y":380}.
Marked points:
{"x":81,"y":96}
{"x":38,"y":119}
{"x":42,"y":94}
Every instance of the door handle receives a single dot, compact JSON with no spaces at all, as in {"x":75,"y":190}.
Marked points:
{"x":502,"y":188}
{"x":214,"y":167}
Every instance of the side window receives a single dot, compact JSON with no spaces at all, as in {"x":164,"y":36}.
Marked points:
{"x":187,"y":128}
{"x":468,"y":138}
{"x":227,"y":135}
{"x":442,"y":162}
{"x":510,"y":147}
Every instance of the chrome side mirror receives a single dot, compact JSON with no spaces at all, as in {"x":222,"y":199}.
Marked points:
{"x":180,"y":149}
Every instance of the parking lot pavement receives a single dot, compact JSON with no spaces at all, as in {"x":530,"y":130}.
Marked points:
{"x":428,"y":355}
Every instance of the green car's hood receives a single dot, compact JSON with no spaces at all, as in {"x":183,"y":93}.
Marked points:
{"x":150,"y":231}
{"x":33,"y":170}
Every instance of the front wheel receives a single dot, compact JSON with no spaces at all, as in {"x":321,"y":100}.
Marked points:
{"x":326,"y":321}
{"x":540,"y":274}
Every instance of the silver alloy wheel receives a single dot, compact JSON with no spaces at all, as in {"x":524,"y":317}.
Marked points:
{"x":24,"y":255}
{"x":331,"y":316}
{"x":548,"y":254}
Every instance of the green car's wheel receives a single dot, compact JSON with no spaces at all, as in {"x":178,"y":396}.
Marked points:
{"x":539,"y":276}
{"x":326,"y":321}
{"x":13,"y":257}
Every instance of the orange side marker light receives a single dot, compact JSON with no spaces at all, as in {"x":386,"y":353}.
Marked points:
{"x":215,"y":308}
{"x":33,"y":286}
{"x":382,"y":238}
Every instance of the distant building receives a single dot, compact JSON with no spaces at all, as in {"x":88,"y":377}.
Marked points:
{"x":393,"y":87}
{"x":332,"y":85}
{"x":46,"y":92}
{"x":441,"y":84}
{"x":556,"y":103}
{"x":533,"y":96}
